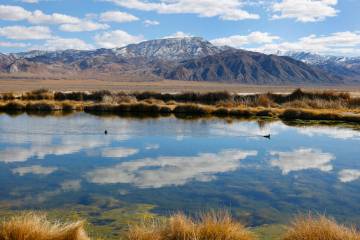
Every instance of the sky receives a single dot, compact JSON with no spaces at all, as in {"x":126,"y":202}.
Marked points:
{"x":329,"y":27}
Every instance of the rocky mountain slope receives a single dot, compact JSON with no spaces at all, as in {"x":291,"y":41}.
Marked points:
{"x":347,"y":68}
{"x":249,"y":67}
{"x":175,"y":58}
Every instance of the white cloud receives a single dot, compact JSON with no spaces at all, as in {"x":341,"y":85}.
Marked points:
{"x":119,"y":152}
{"x":13,"y":45}
{"x":167,"y":171}
{"x":149,"y":22}
{"x":117,"y":38}
{"x":339,"y":43}
{"x":26,"y":33}
{"x":67,"y":23}
{"x":117,"y":16}
{"x":302,"y":159}
{"x":305,"y":10}
{"x":36,"y":170}
{"x":349,"y":175}
{"x":17,"y":13}
{"x":30,"y":1}
{"x":179,"y":35}
{"x":241,"y":40}
{"x":38,"y":17}
{"x":224,"y":9}
{"x":13,"y":13}
{"x":84,"y":26}
{"x":56,"y":44}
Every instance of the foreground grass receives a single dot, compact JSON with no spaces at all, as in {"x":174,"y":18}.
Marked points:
{"x":319,"y":228}
{"x":299,"y":105}
{"x":211,"y":226}
{"x":37,"y":227}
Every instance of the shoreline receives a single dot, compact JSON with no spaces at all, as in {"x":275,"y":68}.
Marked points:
{"x":299,"y":105}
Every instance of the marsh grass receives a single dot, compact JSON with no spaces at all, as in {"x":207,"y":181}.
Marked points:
{"x":39,"y":94}
{"x":301,"y":105}
{"x":210,"y":226}
{"x":311,"y":227}
{"x":306,"y":114}
{"x":193,"y":109}
{"x":33,"y":226}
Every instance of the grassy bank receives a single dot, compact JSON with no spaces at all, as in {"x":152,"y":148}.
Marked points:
{"x":210,"y":226}
{"x":329,"y":106}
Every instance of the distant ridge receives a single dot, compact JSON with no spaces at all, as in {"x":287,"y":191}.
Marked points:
{"x":173,"y":58}
{"x":347,"y":68}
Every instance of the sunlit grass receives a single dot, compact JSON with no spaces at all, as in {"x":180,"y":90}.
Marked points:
{"x":211,"y":226}
{"x":32,"y":226}
{"x":319,"y":228}
{"x":328,"y":105}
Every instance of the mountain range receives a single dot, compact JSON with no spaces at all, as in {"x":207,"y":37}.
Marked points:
{"x":181,"y":59}
{"x":348,"y":68}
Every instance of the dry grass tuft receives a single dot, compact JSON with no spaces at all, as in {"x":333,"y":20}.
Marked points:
{"x":37,"y":227}
{"x":212,"y":226}
{"x":192,"y":109}
{"x":319,"y":228}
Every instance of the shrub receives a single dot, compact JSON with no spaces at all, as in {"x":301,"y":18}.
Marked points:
{"x":37,"y":227}
{"x":319,"y":228}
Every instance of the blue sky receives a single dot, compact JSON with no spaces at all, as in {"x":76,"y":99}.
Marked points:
{"x":322,"y":26}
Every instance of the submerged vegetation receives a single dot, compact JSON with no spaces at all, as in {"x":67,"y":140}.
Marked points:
{"x":328,"y":105}
{"x":210,"y":226}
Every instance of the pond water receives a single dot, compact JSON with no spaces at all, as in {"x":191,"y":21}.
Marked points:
{"x":179,"y":165}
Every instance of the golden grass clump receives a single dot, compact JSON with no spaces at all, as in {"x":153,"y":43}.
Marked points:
{"x":192,"y":109}
{"x":212,"y":226}
{"x":39,"y":94}
{"x":319,"y":228}
{"x":32,"y":226}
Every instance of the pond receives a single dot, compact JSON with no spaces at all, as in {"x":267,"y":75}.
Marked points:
{"x":164,"y":165}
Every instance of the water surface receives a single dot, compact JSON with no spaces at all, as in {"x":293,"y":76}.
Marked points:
{"x":172,"y":164}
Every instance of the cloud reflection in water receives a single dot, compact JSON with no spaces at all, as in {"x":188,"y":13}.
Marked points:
{"x":302,"y":159}
{"x":167,"y":171}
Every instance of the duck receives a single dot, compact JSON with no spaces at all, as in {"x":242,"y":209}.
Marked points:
{"x":267,"y":136}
